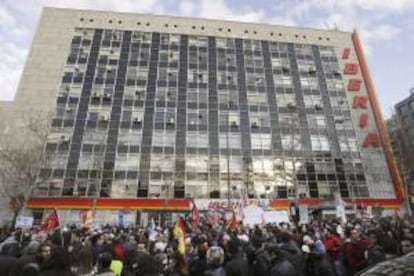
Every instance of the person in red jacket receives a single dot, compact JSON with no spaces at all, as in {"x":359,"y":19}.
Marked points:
{"x":333,"y":245}
{"x":355,"y":252}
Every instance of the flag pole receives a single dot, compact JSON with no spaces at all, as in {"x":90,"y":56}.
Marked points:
{"x":60,"y":228}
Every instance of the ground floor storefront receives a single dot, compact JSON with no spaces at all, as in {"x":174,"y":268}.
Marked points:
{"x":140,"y":211}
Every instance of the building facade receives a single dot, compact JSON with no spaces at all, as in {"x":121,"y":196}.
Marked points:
{"x":153,"y":111}
{"x":401,"y":129}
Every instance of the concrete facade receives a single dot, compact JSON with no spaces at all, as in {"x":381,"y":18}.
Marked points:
{"x":41,"y":79}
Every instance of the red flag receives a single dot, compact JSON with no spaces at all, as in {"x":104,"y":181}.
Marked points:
{"x":195,"y":216}
{"x":51,"y":222}
{"x":233,"y":222}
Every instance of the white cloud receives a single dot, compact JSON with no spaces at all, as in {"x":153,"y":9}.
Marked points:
{"x":371,"y":17}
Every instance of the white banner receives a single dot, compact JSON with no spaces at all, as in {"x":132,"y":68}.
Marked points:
{"x":24,"y":222}
{"x":222,"y":204}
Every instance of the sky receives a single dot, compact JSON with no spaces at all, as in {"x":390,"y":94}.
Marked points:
{"x":386,"y":28}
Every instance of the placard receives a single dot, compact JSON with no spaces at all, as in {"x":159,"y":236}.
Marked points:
{"x":24,"y":222}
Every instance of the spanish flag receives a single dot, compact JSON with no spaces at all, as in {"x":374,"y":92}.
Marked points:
{"x":179,"y":234}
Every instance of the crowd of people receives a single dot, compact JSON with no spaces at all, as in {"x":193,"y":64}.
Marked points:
{"x":323,"y":247}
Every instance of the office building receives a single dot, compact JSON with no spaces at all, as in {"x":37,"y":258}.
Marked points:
{"x":153,"y":111}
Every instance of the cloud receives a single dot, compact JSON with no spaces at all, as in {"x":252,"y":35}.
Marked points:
{"x":372,"y":17}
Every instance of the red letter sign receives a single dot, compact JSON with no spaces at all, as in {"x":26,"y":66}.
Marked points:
{"x":354,"y":85}
{"x":371,"y":140}
{"x":363,"y":120}
{"x":351,"y":69}
{"x":345,"y":53}
{"x":360,"y":102}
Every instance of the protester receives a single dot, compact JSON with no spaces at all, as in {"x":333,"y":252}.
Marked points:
{"x":210,"y":247}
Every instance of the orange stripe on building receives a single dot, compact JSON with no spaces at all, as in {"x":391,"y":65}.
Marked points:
{"x":385,"y":140}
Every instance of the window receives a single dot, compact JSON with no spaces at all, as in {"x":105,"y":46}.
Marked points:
{"x":197,"y":163}
{"x":167,"y":74}
{"x":232,"y":138}
{"x":316,"y":121}
{"x":348,"y":144}
{"x":197,"y":95}
{"x":334,"y":84}
{"x":235,"y":164}
{"x":343,"y":123}
{"x":291,"y":142}
{"x":261,"y":141}
{"x":197,"y":116}
{"x":197,"y":76}
{"x":198,"y":41}
{"x":320,"y":143}
{"x":165,"y":115}
{"x":282,"y":81}
{"x":166,"y":94}
{"x":94,"y":136}
{"x":282,"y":63}
{"x":225,"y":43}
{"x":339,"y":104}
{"x":163,"y":138}
{"x":227,"y":77}
{"x":129,"y":137}
{"x":125,"y":162}
{"x":255,"y":79}
{"x":256,"y":98}
{"x":313,"y":101}
{"x":289,"y":120}
{"x":228,"y":97}
{"x":231,"y":118}
{"x":253,"y":61}
{"x":286,"y":100}
{"x":259,"y":119}
{"x":226,"y":59}
{"x":197,"y":139}
{"x":308,"y":82}
{"x":326,"y":51}
{"x":162,"y":163}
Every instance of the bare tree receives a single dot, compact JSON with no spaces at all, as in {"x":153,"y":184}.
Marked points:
{"x":21,"y":157}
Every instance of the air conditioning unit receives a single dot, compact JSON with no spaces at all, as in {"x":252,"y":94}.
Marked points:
{"x":285,"y":69}
{"x":339,"y":120}
{"x":64,"y":138}
{"x":337,"y":73}
{"x":107,"y":96}
{"x":68,"y":110}
{"x":255,"y":125}
{"x":291,"y":105}
{"x":137,"y":120}
{"x":318,"y":107}
{"x":189,"y":195}
{"x":171,"y":121}
{"x":104,"y":118}
{"x":67,"y":88}
{"x":312,"y":70}
{"x":96,"y":95}
{"x":234,"y":124}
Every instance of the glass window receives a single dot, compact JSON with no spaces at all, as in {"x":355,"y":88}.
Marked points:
{"x":261,"y":141}
{"x":259,"y":119}
{"x":316,"y":121}
{"x":282,"y":81}
{"x":291,"y":142}
{"x":197,"y":76}
{"x":286,"y":100}
{"x":197,"y":163}
{"x":289,"y":120}
{"x":163,"y":138}
{"x":228,"y":97}
{"x":256,"y":98}
{"x":320,"y":143}
{"x":197,"y":139}
{"x":233,"y":139}
{"x":308,"y":82}
{"x":129,"y":137}
{"x":348,"y":144}
{"x":227,"y":77}
{"x":166,"y":94}
{"x":235,"y":164}
{"x":162,"y":163}
{"x":197,"y":116}
{"x":125,"y":162}
{"x":165,"y":115}
{"x":229,"y":117}
{"x":313,"y":101}
{"x":255,"y":79}
{"x":197,"y":95}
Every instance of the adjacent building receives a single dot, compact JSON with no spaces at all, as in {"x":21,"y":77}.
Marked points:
{"x":151,"y":112}
{"x":401,"y":129}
